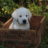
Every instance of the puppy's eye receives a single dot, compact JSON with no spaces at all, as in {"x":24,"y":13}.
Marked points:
{"x":20,"y":16}
{"x":26,"y":15}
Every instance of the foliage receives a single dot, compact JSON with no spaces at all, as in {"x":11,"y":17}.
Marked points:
{"x":24,"y":1}
{"x":7,"y":6}
{"x":35,"y":9}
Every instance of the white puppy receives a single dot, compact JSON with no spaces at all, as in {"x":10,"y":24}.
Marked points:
{"x":21,"y":17}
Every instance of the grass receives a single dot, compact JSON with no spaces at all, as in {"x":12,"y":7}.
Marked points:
{"x":44,"y":42}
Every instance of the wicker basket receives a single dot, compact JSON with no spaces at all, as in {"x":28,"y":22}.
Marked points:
{"x":23,"y":38}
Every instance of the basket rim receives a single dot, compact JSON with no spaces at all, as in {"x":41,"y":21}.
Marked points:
{"x":30,"y":30}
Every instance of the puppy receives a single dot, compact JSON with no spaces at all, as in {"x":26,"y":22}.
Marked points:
{"x":21,"y":17}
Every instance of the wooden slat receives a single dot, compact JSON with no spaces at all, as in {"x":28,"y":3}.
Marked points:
{"x":6,"y":24}
{"x":42,"y":19}
{"x":22,"y":36}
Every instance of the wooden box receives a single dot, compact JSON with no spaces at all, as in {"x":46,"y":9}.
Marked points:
{"x":11,"y":38}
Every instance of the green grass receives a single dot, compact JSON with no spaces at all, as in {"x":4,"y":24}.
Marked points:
{"x":2,"y":47}
{"x":44,"y":42}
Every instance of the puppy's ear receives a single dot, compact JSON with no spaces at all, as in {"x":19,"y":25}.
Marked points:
{"x":14,"y":14}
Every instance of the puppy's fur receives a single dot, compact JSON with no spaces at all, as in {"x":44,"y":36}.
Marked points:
{"x":21,"y":17}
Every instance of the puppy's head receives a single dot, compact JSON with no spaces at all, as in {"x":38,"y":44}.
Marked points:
{"x":22,"y":15}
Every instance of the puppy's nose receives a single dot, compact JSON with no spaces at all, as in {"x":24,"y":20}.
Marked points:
{"x":24,"y":21}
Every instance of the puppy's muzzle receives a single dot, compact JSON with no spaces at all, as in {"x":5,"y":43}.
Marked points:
{"x":24,"y":21}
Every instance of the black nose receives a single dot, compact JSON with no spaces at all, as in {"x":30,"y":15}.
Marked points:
{"x":24,"y":21}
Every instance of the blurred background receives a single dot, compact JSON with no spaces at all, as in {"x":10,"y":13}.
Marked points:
{"x":37,"y":7}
